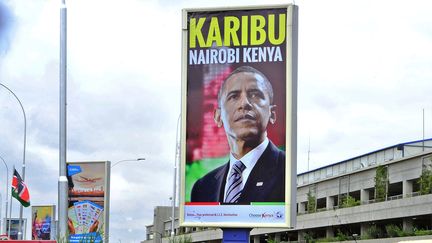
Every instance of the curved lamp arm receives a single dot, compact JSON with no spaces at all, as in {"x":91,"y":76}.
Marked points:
{"x":125,"y":160}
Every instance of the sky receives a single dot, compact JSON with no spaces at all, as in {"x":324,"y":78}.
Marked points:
{"x":364,"y":80}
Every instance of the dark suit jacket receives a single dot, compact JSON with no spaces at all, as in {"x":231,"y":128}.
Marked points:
{"x":269,"y":171}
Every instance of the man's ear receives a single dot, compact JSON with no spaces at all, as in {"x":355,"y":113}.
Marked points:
{"x":217,"y":117}
{"x":273,"y":114}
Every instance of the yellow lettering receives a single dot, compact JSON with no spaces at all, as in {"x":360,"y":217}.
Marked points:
{"x":195,"y":32}
{"x":244,"y":31}
{"x":232,"y":25}
{"x":214,"y":33}
{"x":271,"y":29}
{"x":250,"y":30}
{"x":258,"y":34}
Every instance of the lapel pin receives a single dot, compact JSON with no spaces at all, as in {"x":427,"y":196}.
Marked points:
{"x":259,"y":183}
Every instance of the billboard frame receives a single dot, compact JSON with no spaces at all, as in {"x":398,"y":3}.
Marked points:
{"x":107,"y":184}
{"x":290,"y":115}
{"x":53,"y":220}
{"x":23,"y":225}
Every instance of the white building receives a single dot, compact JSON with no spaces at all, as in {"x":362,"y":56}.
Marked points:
{"x":324,"y":208}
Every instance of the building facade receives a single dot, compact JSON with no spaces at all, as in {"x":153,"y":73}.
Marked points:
{"x":354,"y":198}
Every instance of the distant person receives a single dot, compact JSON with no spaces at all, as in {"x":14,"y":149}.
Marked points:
{"x":255,"y":171}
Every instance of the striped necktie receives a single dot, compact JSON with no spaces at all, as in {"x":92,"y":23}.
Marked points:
{"x":235,"y":183}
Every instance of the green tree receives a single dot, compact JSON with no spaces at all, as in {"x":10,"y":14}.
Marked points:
{"x":381,"y":183}
{"x":349,"y":201}
{"x":311,"y":207}
{"x":425,"y":182}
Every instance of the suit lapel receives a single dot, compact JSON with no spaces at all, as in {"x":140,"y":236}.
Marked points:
{"x":220,"y":178}
{"x":258,"y":184}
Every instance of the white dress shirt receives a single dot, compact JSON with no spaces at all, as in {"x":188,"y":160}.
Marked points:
{"x":249,"y":160}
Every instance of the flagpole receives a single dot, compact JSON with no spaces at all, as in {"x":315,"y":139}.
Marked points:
{"x":10,"y":208}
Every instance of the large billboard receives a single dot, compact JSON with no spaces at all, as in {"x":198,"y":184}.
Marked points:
{"x":43,"y":220}
{"x":239,"y":80}
{"x":88,"y":199}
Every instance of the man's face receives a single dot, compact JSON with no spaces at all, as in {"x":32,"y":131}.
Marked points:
{"x":245,"y":107}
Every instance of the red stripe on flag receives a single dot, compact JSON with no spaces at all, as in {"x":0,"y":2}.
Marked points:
{"x":14,"y":182}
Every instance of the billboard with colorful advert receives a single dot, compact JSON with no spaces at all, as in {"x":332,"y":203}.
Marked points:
{"x":43,"y":220}
{"x":12,"y":227}
{"x":88,"y":199}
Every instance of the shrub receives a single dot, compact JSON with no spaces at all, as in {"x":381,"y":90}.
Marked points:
{"x":309,"y":237}
{"x":341,"y":236}
{"x":181,"y":239}
{"x":374,"y":232}
{"x":349,"y":201}
{"x":393,"y":231}
{"x":332,"y":239}
{"x":422,"y":232}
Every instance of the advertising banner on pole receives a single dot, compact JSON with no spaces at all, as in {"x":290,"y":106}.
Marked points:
{"x":88,"y":201}
{"x":14,"y":227}
{"x":239,"y":104}
{"x":43,"y":220}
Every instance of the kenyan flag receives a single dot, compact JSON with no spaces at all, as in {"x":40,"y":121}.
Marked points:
{"x":20,"y":190}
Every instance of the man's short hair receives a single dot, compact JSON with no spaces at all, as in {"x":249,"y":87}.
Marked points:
{"x":247,"y":69}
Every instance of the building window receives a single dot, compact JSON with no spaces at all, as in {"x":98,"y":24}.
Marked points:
{"x":336,"y":170}
{"x":364,"y":162}
{"x":380,"y":157}
{"x":356,"y":164}
{"x":329,"y":172}
{"x":349,"y":166}
{"x":372,"y":159}
{"x":323,"y":173}
{"x":311,"y":177}
{"x":388,"y":154}
{"x":317,"y":175}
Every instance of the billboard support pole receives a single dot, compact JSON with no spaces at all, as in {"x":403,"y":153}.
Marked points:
{"x":236,"y":235}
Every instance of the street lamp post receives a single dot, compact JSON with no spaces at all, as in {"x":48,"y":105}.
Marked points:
{"x":126,"y":160}
{"x":24,"y":150}
{"x":6,"y":190}
{"x":177,"y":155}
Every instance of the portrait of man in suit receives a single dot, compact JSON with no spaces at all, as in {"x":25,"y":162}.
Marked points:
{"x":255,"y":171}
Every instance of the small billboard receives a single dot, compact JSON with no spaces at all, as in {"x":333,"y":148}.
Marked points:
{"x":43,"y":221}
{"x":88,"y":199}
{"x":12,"y":227}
